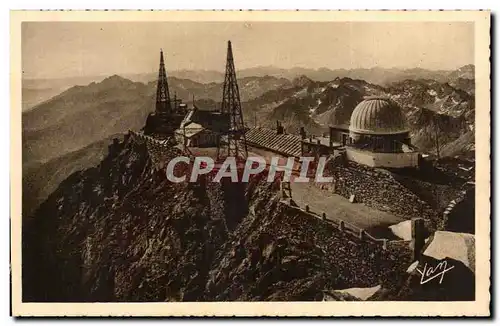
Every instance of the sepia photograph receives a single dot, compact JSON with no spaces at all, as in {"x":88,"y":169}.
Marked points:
{"x":250,"y":158}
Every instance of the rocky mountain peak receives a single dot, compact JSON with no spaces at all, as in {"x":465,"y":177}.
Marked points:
{"x":302,"y":81}
{"x":467,"y":71}
{"x":115,"y":80}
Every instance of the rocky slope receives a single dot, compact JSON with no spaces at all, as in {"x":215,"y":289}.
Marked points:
{"x":437,"y":110}
{"x":122,"y":232}
{"x":310,"y":104}
{"x":440,"y":98}
{"x":83,"y":115}
{"x":41,"y":179}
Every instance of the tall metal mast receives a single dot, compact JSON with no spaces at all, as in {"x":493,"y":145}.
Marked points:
{"x":163,"y":104}
{"x":235,"y":144}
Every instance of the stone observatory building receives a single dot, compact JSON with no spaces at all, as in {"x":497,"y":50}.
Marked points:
{"x":377,"y":135}
{"x":378,"y":125}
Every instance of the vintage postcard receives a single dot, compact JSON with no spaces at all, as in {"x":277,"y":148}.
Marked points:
{"x":301,"y":163}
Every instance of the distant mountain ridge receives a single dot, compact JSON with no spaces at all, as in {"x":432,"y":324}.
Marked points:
{"x":36,"y":91}
{"x":375,"y":75}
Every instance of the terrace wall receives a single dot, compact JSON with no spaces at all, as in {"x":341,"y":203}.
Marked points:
{"x":378,"y":189}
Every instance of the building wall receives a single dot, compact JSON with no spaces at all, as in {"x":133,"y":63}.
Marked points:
{"x":204,"y":138}
{"x":390,"y":160}
{"x":211,"y":120}
{"x":380,"y":143}
{"x":339,"y":135}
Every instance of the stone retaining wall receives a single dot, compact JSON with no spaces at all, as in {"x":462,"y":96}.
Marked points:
{"x":159,"y":150}
{"x":459,"y":216}
{"x":378,"y":189}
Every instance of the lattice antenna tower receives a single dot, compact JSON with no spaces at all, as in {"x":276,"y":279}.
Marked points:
{"x":163,"y":104}
{"x":235,"y":144}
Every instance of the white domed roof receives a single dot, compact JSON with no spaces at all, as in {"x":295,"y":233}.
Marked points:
{"x":378,"y":116}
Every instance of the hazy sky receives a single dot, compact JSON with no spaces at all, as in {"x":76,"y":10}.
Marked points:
{"x":67,"y":49}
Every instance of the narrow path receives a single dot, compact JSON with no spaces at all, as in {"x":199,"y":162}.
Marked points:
{"x":336,"y":206}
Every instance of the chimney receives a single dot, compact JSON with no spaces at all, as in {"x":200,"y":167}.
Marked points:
{"x":302,"y":133}
{"x":279,"y":128}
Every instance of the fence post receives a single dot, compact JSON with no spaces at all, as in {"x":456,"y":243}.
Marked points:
{"x":417,"y":237}
{"x":384,"y":244}
{"x":362,"y":235}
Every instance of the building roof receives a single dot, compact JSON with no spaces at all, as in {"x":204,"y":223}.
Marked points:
{"x":286,"y":144}
{"x":340,"y":126}
{"x":378,"y":116}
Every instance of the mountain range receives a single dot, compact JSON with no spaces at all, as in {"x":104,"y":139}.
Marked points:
{"x":36,"y":91}
{"x":375,"y":75}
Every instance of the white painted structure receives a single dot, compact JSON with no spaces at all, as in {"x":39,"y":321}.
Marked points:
{"x":387,"y":160}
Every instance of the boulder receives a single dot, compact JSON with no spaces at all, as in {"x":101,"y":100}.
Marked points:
{"x":457,"y":246}
{"x":402,"y":230}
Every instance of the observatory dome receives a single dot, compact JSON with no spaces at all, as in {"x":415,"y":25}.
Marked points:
{"x":378,"y":116}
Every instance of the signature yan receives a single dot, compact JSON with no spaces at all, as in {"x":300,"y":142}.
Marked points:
{"x":430,"y":273}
